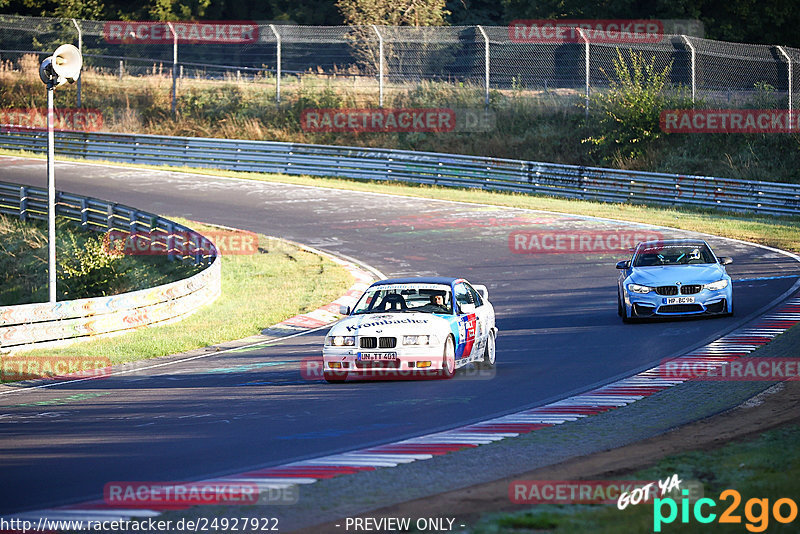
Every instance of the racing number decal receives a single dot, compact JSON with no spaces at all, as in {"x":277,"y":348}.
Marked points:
{"x":467,"y":330}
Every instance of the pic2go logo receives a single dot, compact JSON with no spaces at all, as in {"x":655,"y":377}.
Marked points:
{"x":756,"y":511}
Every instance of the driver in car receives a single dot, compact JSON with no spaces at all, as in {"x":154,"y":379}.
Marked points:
{"x":436,"y":305}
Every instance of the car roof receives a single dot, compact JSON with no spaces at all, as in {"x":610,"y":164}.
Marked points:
{"x":688,"y":242}
{"x":445,"y":280}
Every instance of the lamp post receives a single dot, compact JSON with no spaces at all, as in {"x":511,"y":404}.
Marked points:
{"x":62,"y":67}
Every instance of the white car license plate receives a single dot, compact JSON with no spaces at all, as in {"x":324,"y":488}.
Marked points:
{"x":371,"y":356}
{"x":678,"y":300}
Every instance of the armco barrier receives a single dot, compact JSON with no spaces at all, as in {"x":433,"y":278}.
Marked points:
{"x":571,"y":181}
{"x":43,"y":323}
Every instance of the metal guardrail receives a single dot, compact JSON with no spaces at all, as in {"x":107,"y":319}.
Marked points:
{"x":45,"y":323}
{"x":570,"y":181}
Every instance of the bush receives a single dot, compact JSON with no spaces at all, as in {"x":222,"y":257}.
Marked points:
{"x":87,"y":267}
{"x":627,"y":114}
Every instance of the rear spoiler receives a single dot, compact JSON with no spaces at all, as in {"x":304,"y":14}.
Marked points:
{"x":482,"y":291}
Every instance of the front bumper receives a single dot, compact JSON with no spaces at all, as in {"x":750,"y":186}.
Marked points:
{"x":410,"y":361}
{"x":706,"y":302}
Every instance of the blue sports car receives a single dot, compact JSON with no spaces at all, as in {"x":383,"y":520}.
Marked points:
{"x":674,"y":278}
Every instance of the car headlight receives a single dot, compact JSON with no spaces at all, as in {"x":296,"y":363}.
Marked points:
{"x":340,"y":341}
{"x":716,"y":286}
{"x":416,"y":340}
{"x":636,"y":288}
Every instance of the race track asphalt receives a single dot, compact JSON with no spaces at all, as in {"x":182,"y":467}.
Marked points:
{"x":559,"y":335}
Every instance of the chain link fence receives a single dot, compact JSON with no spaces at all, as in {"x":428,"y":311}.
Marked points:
{"x":378,"y":60}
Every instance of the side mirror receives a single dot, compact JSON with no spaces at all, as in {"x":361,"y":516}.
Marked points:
{"x":725,"y":260}
{"x":623,"y":264}
{"x":344,"y":310}
{"x":466,"y":308}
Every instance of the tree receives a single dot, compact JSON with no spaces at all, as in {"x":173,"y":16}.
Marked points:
{"x":394,"y":12}
{"x":178,"y":9}
{"x":472,"y":12}
{"x":418,"y":17}
{"x":629,"y":110}
{"x":79,"y":9}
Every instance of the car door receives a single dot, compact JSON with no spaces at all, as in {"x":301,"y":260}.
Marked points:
{"x":482,"y":323}
{"x":467,"y":322}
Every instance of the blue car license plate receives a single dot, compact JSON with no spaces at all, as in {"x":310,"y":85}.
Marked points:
{"x":678,"y":300}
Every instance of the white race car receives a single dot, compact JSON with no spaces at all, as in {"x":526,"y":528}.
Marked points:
{"x":412,"y":327}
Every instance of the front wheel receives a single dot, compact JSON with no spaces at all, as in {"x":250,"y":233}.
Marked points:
{"x":623,"y":311}
{"x":488,"y":353}
{"x":448,"y":359}
{"x":730,"y":313}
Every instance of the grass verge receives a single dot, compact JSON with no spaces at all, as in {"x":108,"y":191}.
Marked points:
{"x":767,"y":467}
{"x":779,"y":232}
{"x":258,"y":290}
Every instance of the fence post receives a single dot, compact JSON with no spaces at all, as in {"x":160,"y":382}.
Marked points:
{"x":23,"y":203}
{"x":278,"y":65}
{"x":84,"y":212}
{"x":380,"y":65}
{"x":789,"y":62}
{"x":121,"y":67}
{"x":174,"y":68}
{"x":486,"y":61}
{"x":692,"y":63}
{"x":586,"y":53}
{"x":110,"y":216}
{"x":80,"y":49}
{"x":170,"y":242}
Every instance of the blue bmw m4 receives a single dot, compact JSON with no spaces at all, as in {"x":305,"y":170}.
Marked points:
{"x":674,"y":278}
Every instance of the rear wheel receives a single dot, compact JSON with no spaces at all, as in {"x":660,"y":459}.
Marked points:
{"x":448,"y":359}
{"x":488,"y":353}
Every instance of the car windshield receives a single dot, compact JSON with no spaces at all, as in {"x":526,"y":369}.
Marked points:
{"x":401,"y":298}
{"x":678,"y":254}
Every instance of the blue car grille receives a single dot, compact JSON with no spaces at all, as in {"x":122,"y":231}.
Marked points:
{"x":690,"y":289}
{"x":667,"y":290}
